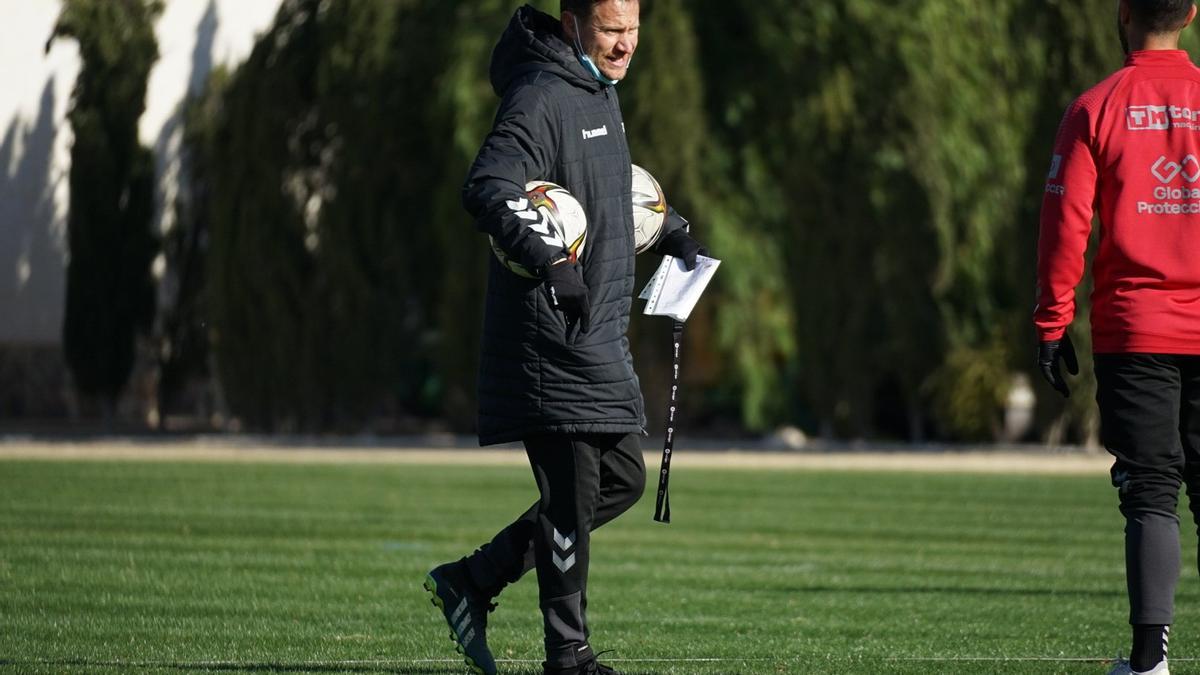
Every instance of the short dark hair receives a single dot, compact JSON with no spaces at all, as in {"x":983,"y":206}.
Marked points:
{"x":1159,"y":16}
{"x":580,"y":8}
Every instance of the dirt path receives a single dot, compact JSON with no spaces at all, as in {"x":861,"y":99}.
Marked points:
{"x":202,"y":451}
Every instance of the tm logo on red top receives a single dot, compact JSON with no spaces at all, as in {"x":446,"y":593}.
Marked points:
{"x":1161,"y":118}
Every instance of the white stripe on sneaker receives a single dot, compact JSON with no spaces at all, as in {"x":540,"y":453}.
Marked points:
{"x":462,"y":607}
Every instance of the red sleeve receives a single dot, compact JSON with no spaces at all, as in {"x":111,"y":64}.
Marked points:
{"x":1066,"y":223}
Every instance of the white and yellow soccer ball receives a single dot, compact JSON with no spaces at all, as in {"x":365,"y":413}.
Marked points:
{"x":649,"y":209}
{"x":554,"y":215}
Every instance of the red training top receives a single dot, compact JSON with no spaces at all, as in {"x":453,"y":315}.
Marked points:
{"x":1129,"y":147}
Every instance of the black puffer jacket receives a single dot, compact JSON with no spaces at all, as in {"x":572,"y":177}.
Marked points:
{"x":555,"y":123}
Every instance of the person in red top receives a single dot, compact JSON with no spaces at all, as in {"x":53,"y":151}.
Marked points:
{"x":1129,"y":148}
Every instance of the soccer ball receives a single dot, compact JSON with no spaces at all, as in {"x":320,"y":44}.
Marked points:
{"x":649,"y":209}
{"x":553,"y":215}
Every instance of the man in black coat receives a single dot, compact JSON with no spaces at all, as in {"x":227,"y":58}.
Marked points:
{"x":556,"y":372}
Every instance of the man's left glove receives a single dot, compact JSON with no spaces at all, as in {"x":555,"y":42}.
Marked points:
{"x":680,"y":244}
{"x":569,"y":293}
{"x":1049,"y":354}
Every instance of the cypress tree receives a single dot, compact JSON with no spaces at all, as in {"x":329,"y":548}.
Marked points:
{"x":325,"y":236}
{"x":110,"y":288}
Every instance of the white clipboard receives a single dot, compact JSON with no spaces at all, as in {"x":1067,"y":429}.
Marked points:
{"x":674,"y":291}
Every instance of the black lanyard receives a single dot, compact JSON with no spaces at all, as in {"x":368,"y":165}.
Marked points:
{"x":662,"y":508}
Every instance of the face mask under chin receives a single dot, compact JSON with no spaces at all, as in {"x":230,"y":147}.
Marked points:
{"x":586,"y":61}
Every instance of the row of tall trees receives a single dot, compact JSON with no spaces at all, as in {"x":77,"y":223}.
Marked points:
{"x":869,"y":171}
{"x":903,"y":145}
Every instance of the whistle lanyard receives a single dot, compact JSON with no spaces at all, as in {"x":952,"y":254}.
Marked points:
{"x":662,"y":508}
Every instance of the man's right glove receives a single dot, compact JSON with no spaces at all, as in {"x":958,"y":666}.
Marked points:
{"x":1049,"y":354}
{"x":569,"y":293}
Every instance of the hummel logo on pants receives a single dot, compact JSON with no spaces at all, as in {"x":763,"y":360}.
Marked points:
{"x":563,"y":544}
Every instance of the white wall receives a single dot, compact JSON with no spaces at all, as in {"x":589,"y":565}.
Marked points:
{"x":35,"y":88}
{"x":34,"y":92}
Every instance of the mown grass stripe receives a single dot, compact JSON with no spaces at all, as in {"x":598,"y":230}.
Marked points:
{"x":240,"y":566}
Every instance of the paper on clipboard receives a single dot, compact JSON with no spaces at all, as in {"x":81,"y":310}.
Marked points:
{"x":674,"y":291}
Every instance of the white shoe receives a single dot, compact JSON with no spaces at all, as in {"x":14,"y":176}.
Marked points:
{"x":1122,"y":667}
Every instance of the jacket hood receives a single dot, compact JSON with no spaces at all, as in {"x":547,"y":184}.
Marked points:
{"x":532,"y":42}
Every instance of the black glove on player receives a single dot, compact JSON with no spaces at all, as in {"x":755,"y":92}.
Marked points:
{"x":680,"y":244}
{"x":569,"y":293}
{"x":1049,"y":354}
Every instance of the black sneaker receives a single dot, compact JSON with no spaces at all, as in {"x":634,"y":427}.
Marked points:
{"x":466,"y":613}
{"x":593,"y":667}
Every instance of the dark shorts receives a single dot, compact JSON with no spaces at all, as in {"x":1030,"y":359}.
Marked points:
{"x":1150,"y":422}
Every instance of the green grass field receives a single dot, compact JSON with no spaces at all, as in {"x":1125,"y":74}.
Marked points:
{"x":207,"y":567}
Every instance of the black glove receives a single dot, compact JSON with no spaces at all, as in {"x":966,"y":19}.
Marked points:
{"x":1049,"y":353}
{"x":681,"y":245}
{"x":569,"y":293}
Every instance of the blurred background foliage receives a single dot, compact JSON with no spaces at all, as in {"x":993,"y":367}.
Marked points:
{"x":869,"y":171}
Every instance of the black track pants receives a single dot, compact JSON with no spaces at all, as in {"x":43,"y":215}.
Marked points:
{"x":584,"y":482}
{"x":1150,"y":422}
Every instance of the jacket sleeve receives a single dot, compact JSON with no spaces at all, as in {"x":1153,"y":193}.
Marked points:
{"x":1066,"y":223}
{"x":522,"y":146}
